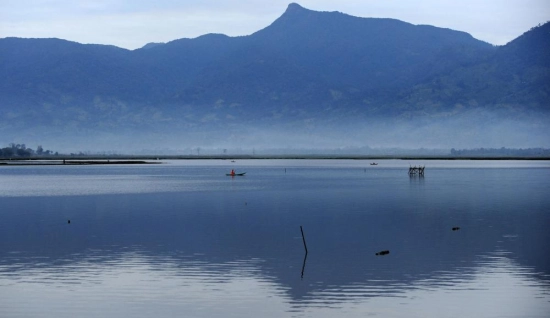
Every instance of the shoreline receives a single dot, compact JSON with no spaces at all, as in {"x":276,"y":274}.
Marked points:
{"x":57,"y":162}
{"x":143,"y":160}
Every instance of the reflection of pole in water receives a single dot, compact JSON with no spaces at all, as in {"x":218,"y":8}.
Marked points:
{"x":304,"y":265}
{"x":305,"y":246}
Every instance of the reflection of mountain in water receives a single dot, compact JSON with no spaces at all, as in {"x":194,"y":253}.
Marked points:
{"x":218,"y":234}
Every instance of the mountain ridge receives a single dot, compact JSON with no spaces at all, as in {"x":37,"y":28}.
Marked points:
{"x":308,"y":73}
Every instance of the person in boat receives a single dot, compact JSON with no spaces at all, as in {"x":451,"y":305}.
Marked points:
{"x":232,"y":172}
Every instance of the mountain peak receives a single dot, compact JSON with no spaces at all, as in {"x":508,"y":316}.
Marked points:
{"x":294,"y":8}
{"x":294,"y":13}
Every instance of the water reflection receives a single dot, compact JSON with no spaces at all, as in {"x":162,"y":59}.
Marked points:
{"x":304,"y":265}
{"x":239,"y":252}
{"x":138,"y":285}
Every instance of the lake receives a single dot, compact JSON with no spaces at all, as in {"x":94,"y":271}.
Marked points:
{"x":182,"y":239}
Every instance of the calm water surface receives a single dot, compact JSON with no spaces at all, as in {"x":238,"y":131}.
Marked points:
{"x":181,"y":239}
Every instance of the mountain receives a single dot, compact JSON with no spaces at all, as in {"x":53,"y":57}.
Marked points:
{"x":310,"y":79}
{"x":517,"y":74}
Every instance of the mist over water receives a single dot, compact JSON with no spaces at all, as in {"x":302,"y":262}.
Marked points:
{"x":470,"y":129}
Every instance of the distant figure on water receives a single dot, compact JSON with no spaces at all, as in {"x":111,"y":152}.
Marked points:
{"x":68,"y":221}
{"x":456,"y":228}
{"x":383,"y":252}
{"x":234,"y":174}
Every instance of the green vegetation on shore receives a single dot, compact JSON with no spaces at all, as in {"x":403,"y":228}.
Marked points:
{"x":21,"y":151}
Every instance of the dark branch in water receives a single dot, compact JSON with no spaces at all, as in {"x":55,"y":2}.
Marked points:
{"x":303,"y":238}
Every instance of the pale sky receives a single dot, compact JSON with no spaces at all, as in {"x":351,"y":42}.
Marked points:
{"x":133,"y":23}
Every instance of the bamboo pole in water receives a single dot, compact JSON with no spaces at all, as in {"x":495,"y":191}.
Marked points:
{"x":303,"y":238}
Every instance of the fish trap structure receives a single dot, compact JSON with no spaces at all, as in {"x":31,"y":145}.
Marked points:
{"x":414,"y":171}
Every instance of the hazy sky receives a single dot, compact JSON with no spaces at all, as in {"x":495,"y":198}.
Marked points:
{"x":133,"y":23}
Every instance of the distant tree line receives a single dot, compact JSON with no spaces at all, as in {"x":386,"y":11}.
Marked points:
{"x":21,"y":151}
{"x":501,"y":152}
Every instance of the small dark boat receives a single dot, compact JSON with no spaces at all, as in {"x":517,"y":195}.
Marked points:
{"x":235,"y":174}
{"x":373,"y":164}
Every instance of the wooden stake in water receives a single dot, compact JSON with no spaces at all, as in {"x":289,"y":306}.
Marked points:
{"x":303,"y":238}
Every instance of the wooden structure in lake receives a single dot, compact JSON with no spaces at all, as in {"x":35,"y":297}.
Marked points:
{"x":413,"y":171}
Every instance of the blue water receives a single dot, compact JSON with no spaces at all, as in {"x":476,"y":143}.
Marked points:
{"x":181,"y":239}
